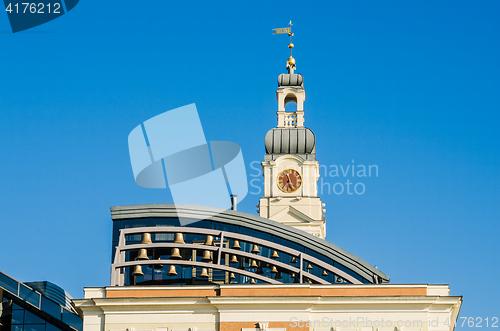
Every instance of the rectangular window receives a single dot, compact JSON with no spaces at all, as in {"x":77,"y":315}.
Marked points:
{"x":288,"y":244}
{"x":50,"y":327}
{"x":34,"y":327}
{"x":225,"y":227}
{"x":17,"y":327}
{"x":17,"y":316}
{"x":137,"y":223}
{"x":14,"y":306}
{"x":199,"y":224}
{"x":51,"y":308}
{"x":255,"y":233}
{"x":72,"y":319}
{"x":319,"y":256}
{"x":30,"y":318}
{"x":167,"y":222}
{"x":163,"y":237}
{"x":116,"y":229}
{"x":8,"y":283}
{"x":348,"y":271}
{"x":29,"y":295}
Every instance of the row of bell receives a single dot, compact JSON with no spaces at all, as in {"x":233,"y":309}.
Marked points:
{"x":176,"y":255}
{"x":138,"y":271}
{"x":209,"y":241}
{"x":253,"y":264}
{"x":232,"y":276}
{"x":207,"y":255}
{"x":274,"y":255}
{"x":255,"y":249}
{"x":204,"y":274}
{"x":178,"y":239}
{"x":171,"y":271}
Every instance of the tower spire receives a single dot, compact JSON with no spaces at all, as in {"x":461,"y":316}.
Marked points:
{"x":291,"y":171}
{"x":290,"y":63}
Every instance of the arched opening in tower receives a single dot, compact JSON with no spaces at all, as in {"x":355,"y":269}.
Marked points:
{"x":291,"y":103}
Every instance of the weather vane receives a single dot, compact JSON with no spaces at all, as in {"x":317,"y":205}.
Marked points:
{"x":290,"y":63}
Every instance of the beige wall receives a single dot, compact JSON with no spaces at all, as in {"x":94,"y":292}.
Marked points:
{"x":281,"y":307}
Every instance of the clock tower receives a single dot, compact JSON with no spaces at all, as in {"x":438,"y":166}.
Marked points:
{"x":290,"y":168}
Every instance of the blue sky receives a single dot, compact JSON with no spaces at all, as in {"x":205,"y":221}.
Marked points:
{"x":412,"y":87}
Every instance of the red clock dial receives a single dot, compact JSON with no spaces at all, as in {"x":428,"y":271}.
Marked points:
{"x":289,"y":180}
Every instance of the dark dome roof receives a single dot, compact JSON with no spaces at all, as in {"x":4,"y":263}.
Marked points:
{"x":290,"y":141}
{"x":291,"y":80}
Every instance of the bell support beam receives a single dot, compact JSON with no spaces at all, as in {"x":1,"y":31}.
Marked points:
{"x":221,"y":246}
{"x":301,"y":267}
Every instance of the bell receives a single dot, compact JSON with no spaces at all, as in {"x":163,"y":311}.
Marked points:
{"x":146,"y":238}
{"x":339,"y":280}
{"x":176,"y":254}
{"x":252,"y":281}
{"x":143,"y":254}
{"x":179,"y":239}
{"x":309,"y":266}
{"x":206,"y":256}
{"x":156,"y":266}
{"x":278,"y":276}
{"x":172,"y":271}
{"x":293,"y":260}
{"x":255,"y":249}
{"x":236,"y":245}
{"x":325,"y":273}
{"x":234,"y":259}
{"x":254,"y":264}
{"x":274,"y":269}
{"x":137,"y":271}
{"x":275,"y":255}
{"x":309,"y":281}
{"x":259,"y":271}
{"x":232,"y":276}
{"x":204,"y":273}
{"x":209,"y":240}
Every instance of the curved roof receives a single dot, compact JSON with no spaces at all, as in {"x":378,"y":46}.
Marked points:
{"x":290,"y":141}
{"x":291,"y":80}
{"x":254,"y":222}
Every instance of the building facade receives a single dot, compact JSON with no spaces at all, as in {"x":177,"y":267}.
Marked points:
{"x":36,"y":306}
{"x":196,"y":268}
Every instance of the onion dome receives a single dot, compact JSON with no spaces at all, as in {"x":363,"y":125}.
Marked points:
{"x":290,"y":141}
{"x":291,"y":80}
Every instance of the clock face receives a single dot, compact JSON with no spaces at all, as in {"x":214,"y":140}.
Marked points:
{"x":289,"y":180}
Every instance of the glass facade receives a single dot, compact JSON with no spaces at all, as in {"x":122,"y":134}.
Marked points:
{"x":31,"y":311}
{"x":189,"y":275}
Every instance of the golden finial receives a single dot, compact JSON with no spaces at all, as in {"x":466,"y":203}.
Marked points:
{"x":290,"y":63}
{"x":291,"y":60}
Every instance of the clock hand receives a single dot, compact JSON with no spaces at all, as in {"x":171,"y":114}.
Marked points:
{"x":290,"y":182}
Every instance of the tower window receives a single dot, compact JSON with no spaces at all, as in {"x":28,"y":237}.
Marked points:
{"x":291,"y":107}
